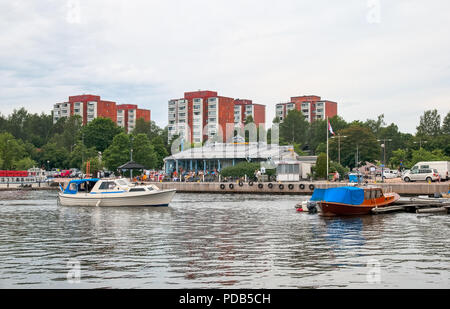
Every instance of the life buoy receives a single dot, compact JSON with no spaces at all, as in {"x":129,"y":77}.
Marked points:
{"x":222,"y":186}
{"x":270,"y":185}
{"x":241,"y":183}
{"x":260,"y":186}
{"x":291,"y":186}
{"x":311,"y":187}
{"x":250,"y":183}
{"x":302,"y":186}
{"x":281,"y":187}
{"x":231,"y":186}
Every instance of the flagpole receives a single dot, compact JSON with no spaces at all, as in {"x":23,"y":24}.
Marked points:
{"x":327,"y":148}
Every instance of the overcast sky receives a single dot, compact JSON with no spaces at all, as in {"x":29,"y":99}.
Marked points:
{"x":370,"y":56}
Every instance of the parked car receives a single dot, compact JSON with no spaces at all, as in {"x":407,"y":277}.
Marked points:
{"x":443,"y":167}
{"x":389,"y":174}
{"x":75,"y":173}
{"x":64,"y":173}
{"x":425,"y":174}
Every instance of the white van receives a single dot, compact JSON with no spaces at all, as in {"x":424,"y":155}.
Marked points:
{"x":442,"y":167}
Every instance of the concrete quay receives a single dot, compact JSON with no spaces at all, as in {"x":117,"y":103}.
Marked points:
{"x":297,"y":187}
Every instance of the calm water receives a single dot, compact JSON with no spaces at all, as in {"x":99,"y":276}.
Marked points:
{"x":215,"y":241}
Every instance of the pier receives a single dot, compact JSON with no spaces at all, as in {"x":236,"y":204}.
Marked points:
{"x":296,"y":188}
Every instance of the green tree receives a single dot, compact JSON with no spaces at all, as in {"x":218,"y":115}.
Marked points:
{"x":24,"y":164}
{"x":160,"y":150}
{"x":321,"y":165}
{"x":99,"y":133}
{"x":425,"y":155}
{"x":359,"y":139}
{"x":80,"y":152}
{"x":375,"y":125}
{"x":399,"y":159}
{"x":57,"y":156}
{"x":446,"y":124}
{"x":143,"y":152}
{"x":118,"y":152}
{"x":294,"y":128}
{"x":95,"y":165}
{"x":430,"y":124}
{"x":11,"y":150}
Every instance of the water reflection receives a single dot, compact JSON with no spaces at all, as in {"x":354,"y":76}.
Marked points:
{"x":202,"y":241}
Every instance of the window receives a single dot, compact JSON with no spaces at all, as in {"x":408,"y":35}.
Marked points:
{"x":136,"y":189}
{"x":107,"y":185}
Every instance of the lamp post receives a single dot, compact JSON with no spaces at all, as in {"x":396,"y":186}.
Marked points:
{"x":384,"y":140}
{"x":339,"y":146}
{"x":131,"y":157}
{"x":420,"y":143}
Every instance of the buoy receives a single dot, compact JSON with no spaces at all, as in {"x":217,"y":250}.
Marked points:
{"x":231,"y":186}
{"x":302,"y":186}
{"x":270,"y":185}
{"x":281,"y":187}
{"x":311,"y":187}
{"x":291,"y":186}
{"x":260,"y":185}
{"x":222,"y":186}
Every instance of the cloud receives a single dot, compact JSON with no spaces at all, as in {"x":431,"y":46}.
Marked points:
{"x":147,"y":52}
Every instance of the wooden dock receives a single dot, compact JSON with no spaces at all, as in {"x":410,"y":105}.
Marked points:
{"x":420,"y":208}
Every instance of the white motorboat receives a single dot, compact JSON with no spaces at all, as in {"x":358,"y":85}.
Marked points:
{"x":112,"y":192}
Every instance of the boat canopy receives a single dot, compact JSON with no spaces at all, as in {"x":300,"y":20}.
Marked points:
{"x":74,"y":185}
{"x":344,"y":195}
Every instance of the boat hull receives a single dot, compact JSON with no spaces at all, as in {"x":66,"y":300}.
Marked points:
{"x":339,"y":209}
{"x":156,"y":198}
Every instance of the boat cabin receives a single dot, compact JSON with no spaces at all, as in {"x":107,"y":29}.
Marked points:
{"x":101,"y":186}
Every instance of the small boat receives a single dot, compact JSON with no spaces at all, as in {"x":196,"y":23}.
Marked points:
{"x":351,"y":200}
{"x":112,"y":192}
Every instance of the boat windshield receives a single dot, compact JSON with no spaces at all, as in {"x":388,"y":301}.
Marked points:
{"x":123,"y":182}
{"x":81,"y":185}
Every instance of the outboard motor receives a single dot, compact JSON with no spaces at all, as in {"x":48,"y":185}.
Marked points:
{"x":312,"y":207}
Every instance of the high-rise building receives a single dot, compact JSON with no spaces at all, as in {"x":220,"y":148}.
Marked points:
{"x":245,"y":108}
{"x":312,"y":107}
{"x":89,"y":107}
{"x":200,"y":115}
{"x":128,"y":114}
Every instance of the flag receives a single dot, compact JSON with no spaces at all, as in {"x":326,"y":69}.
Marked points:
{"x":330,"y":128}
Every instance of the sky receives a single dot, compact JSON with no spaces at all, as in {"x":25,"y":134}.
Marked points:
{"x":371,"y":56}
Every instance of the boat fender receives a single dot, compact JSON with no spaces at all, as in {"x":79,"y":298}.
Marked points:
{"x":98,"y":203}
{"x":222,"y":186}
{"x":302,"y":186}
{"x":260,"y":186}
{"x":270,"y":185}
{"x":281,"y":187}
{"x":291,"y":186}
{"x":250,"y":183}
{"x":241,"y":183}
{"x":231,"y":186}
{"x":311,"y":187}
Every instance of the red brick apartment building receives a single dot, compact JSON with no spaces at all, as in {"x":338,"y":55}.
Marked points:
{"x":127,"y":114}
{"x":200,"y":115}
{"x":245,"y":108}
{"x":312,"y":107}
{"x":90,"y":107}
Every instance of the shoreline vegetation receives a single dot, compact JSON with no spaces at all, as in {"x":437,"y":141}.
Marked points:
{"x":28,"y":140}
